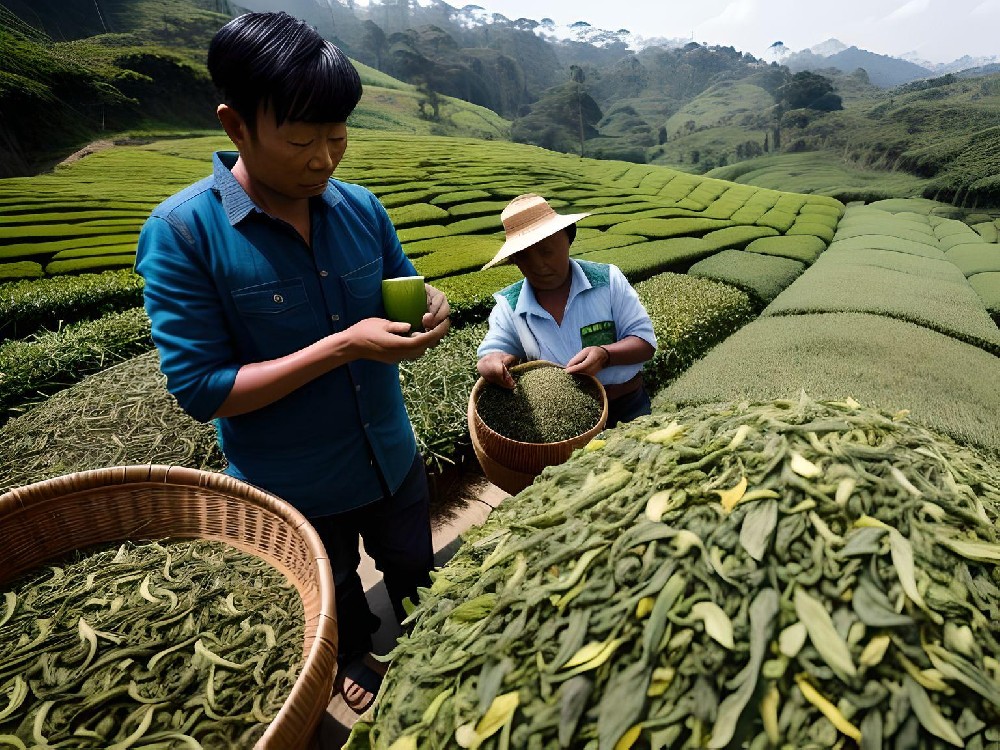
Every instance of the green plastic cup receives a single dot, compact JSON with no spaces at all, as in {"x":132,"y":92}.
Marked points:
{"x":405,"y":300}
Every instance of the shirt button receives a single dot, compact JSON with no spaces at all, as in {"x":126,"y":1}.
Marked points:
{"x":279,"y":299}
{"x":357,"y":388}
{"x":323,"y":273}
{"x":366,"y":425}
{"x":334,"y":318}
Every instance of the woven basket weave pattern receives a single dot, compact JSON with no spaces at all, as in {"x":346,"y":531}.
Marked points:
{"x":50,"y":519}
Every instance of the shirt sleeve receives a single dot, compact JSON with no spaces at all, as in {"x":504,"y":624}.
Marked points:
{"x":196,"y":352}
{"x":502,"y":335}
{"x":631,"y":318}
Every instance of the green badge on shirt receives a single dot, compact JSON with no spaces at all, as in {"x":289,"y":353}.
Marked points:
{"x":598,"y":334}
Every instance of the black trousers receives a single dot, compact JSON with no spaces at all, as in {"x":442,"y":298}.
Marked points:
{"x":628,"y":407}
{"x":396,"y":531}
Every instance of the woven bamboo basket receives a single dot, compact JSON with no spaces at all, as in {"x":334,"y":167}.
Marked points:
{"x":52,"y":518}
{"x":511,"y":464}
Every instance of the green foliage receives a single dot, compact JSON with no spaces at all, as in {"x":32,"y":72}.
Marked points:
{"x":410,"y":214}
{"x":459,"y":196}
{"x":644,"y":259}
{"x":737,"y":237}
{"x":803,"y":248}
{"x":763,"y":277}
{"x":988,"y":231}
{"x":454,"y":255}
{"x":807,"y":89}
{"x":777,"y":219}
{"x":835,"y":285}
{"x":815,"y":229}
{"x":23,"y":269}
{"x":821,"y":173}
{"x":975,"y":258}
{"x":987,"y":286}
{"x":121,"y":415}
{"x":888,"y":364}
{"x":79,"y":265}
{"x":564,"y":116}
{"x":866,"y":241}
{"x":436,"y":391}
{"x":477,"y":208}
{"x":663,"y":228}
{"x":412,"y":235}
{"x":28,"y":306}
{"x":471,"y":295}
{"x":49,"y":361}
{"x":919,"y":265}
{"x":690,"y":316}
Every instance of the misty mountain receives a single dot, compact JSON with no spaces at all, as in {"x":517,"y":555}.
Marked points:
{"x":883,"y":70}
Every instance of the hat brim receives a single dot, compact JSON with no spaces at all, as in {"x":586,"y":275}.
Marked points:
{"x":521,"y":242}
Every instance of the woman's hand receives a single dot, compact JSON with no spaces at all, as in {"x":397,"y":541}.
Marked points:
{"x":589,"y":361}
{"x":494,"y":367}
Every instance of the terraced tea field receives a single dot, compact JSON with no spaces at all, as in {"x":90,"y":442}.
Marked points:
{"x":896,"y":313}
{"x":907,"y":294}
{"x":445,"y":196}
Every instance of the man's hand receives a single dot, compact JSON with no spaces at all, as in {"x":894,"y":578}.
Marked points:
{"x":438,"y":308}
{"x":494,"y":367}
{"x":385,"y":341}
{"x":588,"y":361}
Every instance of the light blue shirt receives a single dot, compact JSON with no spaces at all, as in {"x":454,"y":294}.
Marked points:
{"x":228,"y":285}
{"x":602,"y":308}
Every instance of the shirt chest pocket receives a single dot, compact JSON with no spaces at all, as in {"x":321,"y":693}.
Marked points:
{"x":278,"y":317}
{"x":364,"y":289}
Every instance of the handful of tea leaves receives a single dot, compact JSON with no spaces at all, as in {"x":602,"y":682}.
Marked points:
{"x":176,"y":644}
{"x":547,"y":405}
{"x":792,"y":574}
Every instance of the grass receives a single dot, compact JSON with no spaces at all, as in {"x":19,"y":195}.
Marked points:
{"x":947,"y":385}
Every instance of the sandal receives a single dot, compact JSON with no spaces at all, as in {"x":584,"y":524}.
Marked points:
{"x":358,"y":682}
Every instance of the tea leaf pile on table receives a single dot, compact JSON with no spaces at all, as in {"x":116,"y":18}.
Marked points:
{"x":792,"y":574}
{"x":184,"y":643}
{"x":546,"y":405}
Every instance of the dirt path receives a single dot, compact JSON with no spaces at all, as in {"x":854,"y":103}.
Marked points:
{"x":90,"y":148}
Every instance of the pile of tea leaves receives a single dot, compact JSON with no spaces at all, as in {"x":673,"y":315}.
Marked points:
{"x":168,"y":644}
{"x":546,"y":405}
{"x":792,"y":574}
{"x":122,"y":415}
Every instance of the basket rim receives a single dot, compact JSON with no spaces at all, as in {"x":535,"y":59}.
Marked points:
{"x":163,"y":477}
{"x":533,"y":365}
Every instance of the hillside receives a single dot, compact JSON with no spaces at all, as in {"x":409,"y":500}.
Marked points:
{"x":151,"y":79}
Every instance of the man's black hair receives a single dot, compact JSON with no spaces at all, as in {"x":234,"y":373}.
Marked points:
{"x":570,"y":232}
{"x":283,"y":63}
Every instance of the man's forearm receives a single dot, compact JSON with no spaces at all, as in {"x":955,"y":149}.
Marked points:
{"x":630,"y":350}
{"x":262,"y":383}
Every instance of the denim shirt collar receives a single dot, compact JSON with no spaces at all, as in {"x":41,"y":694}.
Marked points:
{"x":237,"y":204}
{"x":527,"y":303}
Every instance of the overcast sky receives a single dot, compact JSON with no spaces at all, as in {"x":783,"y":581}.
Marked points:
{"x":938,"y":30}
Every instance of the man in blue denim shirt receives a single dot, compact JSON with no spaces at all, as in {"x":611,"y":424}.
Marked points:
{"x":263,"y":285}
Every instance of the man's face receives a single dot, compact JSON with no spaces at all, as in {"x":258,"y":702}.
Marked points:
{"x":546,"y":263}
{"x":293,"y":161}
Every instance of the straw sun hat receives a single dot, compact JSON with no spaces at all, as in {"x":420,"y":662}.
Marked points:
{"x":526,"y":220}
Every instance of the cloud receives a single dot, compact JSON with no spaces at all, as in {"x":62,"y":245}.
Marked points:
{"x":735,"y":13}
{"x":910,"y":9}
{"x":986,"y":8}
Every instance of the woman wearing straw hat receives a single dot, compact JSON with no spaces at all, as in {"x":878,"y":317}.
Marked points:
{"x":582,"y":315}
